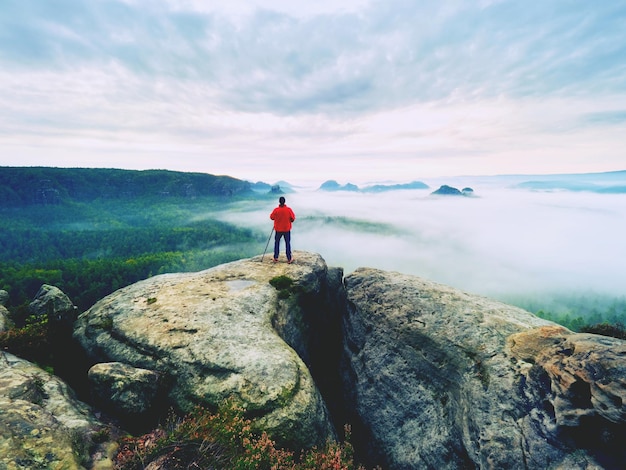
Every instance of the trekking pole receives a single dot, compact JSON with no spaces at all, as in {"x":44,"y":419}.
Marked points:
{"x":267,"y":244}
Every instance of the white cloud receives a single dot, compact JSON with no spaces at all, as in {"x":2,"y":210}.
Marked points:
{"x":297,"y":8}
{"x":405,"y":87}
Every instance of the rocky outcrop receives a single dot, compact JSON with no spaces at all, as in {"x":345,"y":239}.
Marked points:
{"x":122,"y":388}
{"x":4,"y":313}
{"x":438,"y":378}
{"x":4,"y":297}
{"x":575,"y":387}
{"x":225,"y":332}
{"x":42,"y":424}
{"x":52,"y":302}
{"x":446,"y":190}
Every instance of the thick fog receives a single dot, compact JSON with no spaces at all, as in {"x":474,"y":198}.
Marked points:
{"x":499,"y":242}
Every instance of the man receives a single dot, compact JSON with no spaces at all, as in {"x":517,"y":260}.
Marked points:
{"x":282,"y":216}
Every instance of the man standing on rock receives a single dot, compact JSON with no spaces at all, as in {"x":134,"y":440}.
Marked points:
{"x":282,"y":216}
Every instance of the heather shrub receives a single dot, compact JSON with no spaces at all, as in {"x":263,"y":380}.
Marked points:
{"x":31,"y":341}
{"x":223,"y":440}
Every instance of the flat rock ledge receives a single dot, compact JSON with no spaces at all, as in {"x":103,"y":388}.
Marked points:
{"x":214,"y":334}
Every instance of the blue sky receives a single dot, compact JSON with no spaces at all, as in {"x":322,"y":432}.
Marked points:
{"x":353,"y":90}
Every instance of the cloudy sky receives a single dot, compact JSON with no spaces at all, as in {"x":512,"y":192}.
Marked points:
{"x":352,"y":90}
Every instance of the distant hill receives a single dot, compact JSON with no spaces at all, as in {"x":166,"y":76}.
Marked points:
{"x":446,"y":190}
{"x":612,"y":182}
{"x":568,"y":185}
{"x":332,"y":185}
{"x":21,"y":186}
{"x":395,"y":187}
{"x":281,"y":187}
{"x":285,"y":186}
{"x":261,"y":187}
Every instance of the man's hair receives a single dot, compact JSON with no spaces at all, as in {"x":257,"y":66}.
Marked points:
{"x":281,"y":200}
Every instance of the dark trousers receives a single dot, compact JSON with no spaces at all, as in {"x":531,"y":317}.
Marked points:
{"x":277,"y":238}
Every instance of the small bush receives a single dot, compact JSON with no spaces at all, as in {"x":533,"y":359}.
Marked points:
{"x":31,"y":342}
{"x":284,"y":286}
{"x":223,"y":440}
{"x":281,"y":282}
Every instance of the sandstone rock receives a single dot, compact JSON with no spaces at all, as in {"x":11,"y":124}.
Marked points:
{"x":4,"y":313}
{"x":430,"y":376}
{"x":575,"y":385}
{"x":527,"y":345}
{"x":51,"y":301}
{"x":214,"y":334}
{"x":588,"y":376}
{"x":432,"y":382}
{"x":4,"y":297}
{"x":4,"y":318}
{"x":42,"y":424}
{"x":117,"y":386}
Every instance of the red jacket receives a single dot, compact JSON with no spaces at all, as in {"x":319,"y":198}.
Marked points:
{"x":282,"y":217}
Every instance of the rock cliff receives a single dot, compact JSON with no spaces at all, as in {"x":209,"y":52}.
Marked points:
{"x":427,"y":375}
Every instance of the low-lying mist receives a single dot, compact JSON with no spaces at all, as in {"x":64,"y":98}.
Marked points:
{"x":501,"y":242}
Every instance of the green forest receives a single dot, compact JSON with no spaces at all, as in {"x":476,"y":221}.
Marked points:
{"x":579,"y":311}
{"x":27,"y":186}
{"x":90,"y":240}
